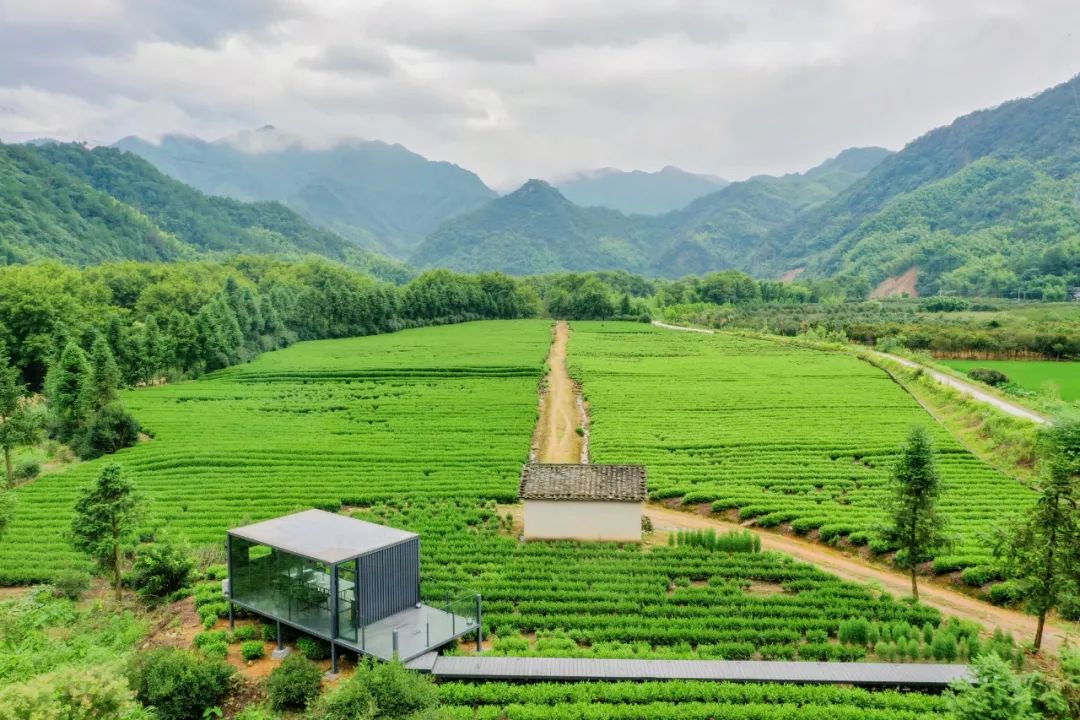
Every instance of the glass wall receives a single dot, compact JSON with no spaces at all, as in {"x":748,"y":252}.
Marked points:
{"x":281,"y":585}
{"x":348,"y":608}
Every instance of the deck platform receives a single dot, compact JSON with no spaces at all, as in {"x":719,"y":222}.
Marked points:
{"x":918,"y":676}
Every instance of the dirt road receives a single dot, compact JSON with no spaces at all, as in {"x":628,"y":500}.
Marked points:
{"x":557,"y":439}
{"x":971,"y":390}
{"x":683,"y":328}
{"x":950,"y":602}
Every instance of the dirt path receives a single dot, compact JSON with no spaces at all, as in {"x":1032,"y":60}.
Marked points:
{"x":857,"y":570}
{"x":971,"y":390}
{"x":561,"y":414}
{"x":683,"y":328}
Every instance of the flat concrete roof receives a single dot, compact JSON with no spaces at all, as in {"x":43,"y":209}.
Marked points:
{"x":322,"y":535}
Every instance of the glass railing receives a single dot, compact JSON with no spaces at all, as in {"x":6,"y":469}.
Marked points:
{"x":415,"y":631}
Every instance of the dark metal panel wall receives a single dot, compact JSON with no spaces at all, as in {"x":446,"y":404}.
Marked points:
{"x":389,"y":580}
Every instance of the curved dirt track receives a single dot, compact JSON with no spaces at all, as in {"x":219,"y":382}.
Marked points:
{"x":971,"y":390}
{"x":557,"y":439}
{"x":857,"y":570}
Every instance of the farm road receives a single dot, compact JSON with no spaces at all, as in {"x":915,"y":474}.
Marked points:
{"x":971,"y":390}
{"x":854,"y":569}
{"x":557,"y":440}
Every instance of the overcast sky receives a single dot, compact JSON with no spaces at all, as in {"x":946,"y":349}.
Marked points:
{"x":516,"y":89}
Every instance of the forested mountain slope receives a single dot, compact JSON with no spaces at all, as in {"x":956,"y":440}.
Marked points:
{"x":536,"y":229}
{"x":721,"y":230}
{"x":46,"y":212}
{"x":381,"y":197}
{"x":84,"y":206}
{"x":637,"y":192}
{"x":986,"y":204}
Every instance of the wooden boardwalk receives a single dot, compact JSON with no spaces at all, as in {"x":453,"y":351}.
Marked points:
{"x":875,"y":675}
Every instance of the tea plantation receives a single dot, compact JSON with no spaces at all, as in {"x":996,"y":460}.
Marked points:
{"x":427,"y":429}
{"x":780,"y":433}
{"x":444,"y":411}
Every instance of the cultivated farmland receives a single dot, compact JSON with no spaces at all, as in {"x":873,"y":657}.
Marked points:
{"x":1033,"y":375}
{"x":427,"y":429}
{"x":778,"y":433}
{"x":444,"y":411}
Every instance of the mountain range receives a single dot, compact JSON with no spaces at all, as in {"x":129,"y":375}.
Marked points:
{"x":536,"y":229}
{"x":381,"y":197}
{"x":637,"y":192}
{"x":989,"y":204}
{"x":68,"y":202}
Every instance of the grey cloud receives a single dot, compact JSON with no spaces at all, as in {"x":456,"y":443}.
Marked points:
{"x":517,"y":90}
{"x":357,"y":58}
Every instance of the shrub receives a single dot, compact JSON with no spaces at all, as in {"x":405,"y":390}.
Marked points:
{"x":27,"y":469}
{"x":252,"y":649}
{"x":269,"y":633}
{"x":294,"y":683}
{"x":160,"y":569}
{"x":70,"y":694}
{"x":209,"y":637}
{"x":1005,"y":593}
{"x":111,"y":429}
{"x":944,"y":647}
{"x":215,"y":650}
{"x":312,"y":648}
{"x":351,"y":700}
{"x":71,"y":584}
{"x":244,"y":632}
{"x":979,"y":575}
{"x":178,"y":684}
{"x":998,"y":693}
{"x":988,"y":376}
{"x":855,"y":631}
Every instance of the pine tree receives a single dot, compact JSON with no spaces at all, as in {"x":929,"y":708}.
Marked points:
{"x":914,"y":526}
{"x":63,"y":387}
{"x":152,"y":345}
{"x":1042,"y":553}
{"x":102,"y":382}
{"x":18,"y":424}
{"x":104,"y":520}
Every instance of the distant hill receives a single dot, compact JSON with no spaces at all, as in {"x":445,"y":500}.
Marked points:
{"x":381,"y":197}
{"x":85,"y":206}
{"x":989,"y":202}
{"x":533,"y":230}
{"x":536,"y":229}
{"x":638,"y":192}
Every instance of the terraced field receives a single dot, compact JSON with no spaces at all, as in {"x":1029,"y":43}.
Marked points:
{"x":679,"y":700}
{"x":441,"y":412}
{"x":782,"y":434}
{"x":573,"y":599}
{"x":426,"y":429}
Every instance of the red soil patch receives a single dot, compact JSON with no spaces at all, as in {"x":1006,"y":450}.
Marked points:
{"x":897,"y":285}
{"x":789,"y":275}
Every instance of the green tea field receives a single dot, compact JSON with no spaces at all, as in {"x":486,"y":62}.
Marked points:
{"x":1034,"y":375}
{"x":781,"y":434}
{"x":443,"y":412}
{"x":427,"y":429}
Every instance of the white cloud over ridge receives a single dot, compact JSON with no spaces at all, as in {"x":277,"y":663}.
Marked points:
{"x":517,"y":90}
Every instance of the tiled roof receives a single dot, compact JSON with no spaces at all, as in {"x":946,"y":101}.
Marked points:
{"x":623,"y":483}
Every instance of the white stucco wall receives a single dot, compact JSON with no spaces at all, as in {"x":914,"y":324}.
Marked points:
{"x":582,"y":520}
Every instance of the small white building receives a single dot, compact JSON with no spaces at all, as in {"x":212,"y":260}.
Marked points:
{"x":583,"y":502}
